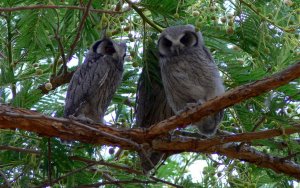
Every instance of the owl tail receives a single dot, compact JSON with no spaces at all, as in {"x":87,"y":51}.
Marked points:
{"x":209,"y":125}
{"x":150,"y":161}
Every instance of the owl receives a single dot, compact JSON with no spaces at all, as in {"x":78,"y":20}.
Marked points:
{"x":189,"y":74}
{"x":151,"y":105}
{"x":94,"y":83}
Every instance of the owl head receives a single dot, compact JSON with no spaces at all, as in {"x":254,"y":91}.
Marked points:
{"x":174,"y":40}
{"x":108,"y":47}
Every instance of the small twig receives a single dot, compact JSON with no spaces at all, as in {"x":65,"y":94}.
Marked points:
{"x":49,"y":162}
{"x":125,"y":168}
{"x":260,"y":121}
{"x":56,"y":81}
{"x":6,"y":181}
{"x":250,"y":6}
{"x":60,"y":47}
{"x":112,"y":179}
{"x":80,"y":28}
{"x":166,"y":182}
{"x":159,"y":29}
{"x":260,"y":159}
{"x":133,"y":181}
{"x":18,"y":176}
{"x":2,"y":55}
{"x":31,"y":151}
{"x":289,"y":156}
{"x":66,"y":175}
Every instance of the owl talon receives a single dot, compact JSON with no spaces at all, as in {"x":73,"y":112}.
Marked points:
{"x":82,"y":119}
{"x":190,"y":106}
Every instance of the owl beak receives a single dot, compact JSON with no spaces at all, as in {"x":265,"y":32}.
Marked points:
{"x":176,"y":49}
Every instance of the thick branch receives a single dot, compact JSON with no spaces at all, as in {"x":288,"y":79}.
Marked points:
{"x":11,"y":118}
{"x":230,"y":98}
{"x":59,"y":127}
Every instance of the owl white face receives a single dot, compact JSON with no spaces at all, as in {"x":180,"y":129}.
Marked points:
{"x":107,"y":47}
{"x":175,"y":39}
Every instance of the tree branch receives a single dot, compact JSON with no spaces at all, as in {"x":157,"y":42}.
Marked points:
{"x":66,"y":129}
{"x":124,"y":168}
{"x":133,"y":181}
{"x":31,"y":151}
{"x":253,"y":156}
{"x":257,"y":12}
{"x":198,"y":145}
{"x":11,"y":118}
{"x":45,"y":184}
{"x":136,"y":8}
{"x":6,"y":181}
{"x":12,"y":9}
{"x":229,"y":98}
{"x":56,"y":82}
{"x":80,"y":28}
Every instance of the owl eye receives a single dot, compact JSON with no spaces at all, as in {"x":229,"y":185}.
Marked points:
{"x":189,"y":39}
{"x":109,"y":49}
{"x":166,"y":42}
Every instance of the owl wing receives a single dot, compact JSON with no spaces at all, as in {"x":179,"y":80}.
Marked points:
{"x":89,"y":77}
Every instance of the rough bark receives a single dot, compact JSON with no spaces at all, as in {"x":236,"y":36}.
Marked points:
{"x":16,"y":118}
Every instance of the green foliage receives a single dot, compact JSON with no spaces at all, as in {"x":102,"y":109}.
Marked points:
{"x":248,"y":39}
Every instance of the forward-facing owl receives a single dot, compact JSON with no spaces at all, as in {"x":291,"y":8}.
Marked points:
{"x":94,"y":83}
{"x":189,"y":73}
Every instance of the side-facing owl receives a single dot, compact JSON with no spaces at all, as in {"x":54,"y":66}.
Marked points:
{"x":189,"y":73}
{"x":94,"y":83}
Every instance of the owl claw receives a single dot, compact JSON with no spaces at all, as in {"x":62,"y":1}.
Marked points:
{"x":82,"y":119}
{"x":188,"y":106}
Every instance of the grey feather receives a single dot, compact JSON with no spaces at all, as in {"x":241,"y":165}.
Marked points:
{"x":94,"y":83}
{"x":189,"y":73}
{"x":151,"y":104}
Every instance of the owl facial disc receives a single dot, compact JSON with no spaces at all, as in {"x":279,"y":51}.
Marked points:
{"x":107,"y":47}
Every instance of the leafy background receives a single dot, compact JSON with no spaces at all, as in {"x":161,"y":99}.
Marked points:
{"x":249,"y":40}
